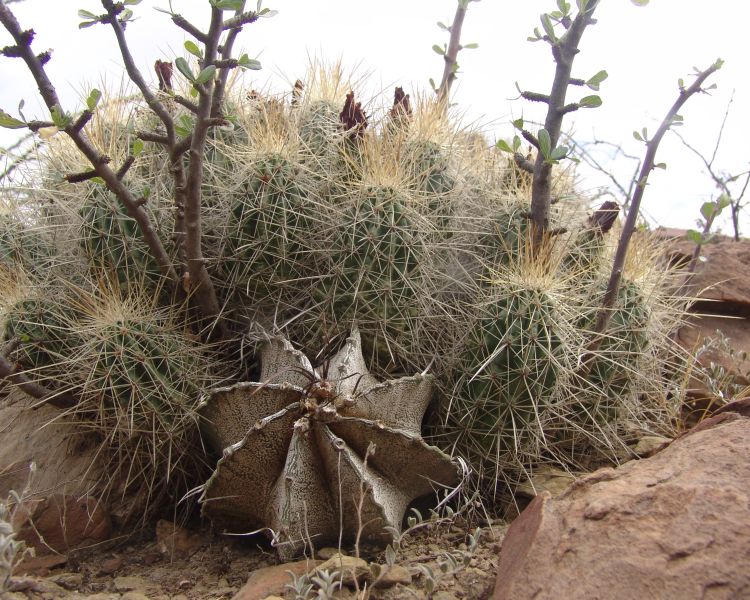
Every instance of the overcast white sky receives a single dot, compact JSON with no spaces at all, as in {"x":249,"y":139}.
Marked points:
{"x":645,"y":50}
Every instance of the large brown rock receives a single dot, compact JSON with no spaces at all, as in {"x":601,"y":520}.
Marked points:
{"x":60,"y":523}
{"x":721,"y":284}
{"x":65,"y":462}
{"x":673,"y":526}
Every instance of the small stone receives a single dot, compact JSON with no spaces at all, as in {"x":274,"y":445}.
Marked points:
{"x":70,"y":581}
{"x":269,"y":581}
{"x":350,"y":567}
{"x":175,"y":541}
{"x":383,"y":576}
{"x":649,"y":445}
{"x":111,"y":565}
{"x":131,"y":583}
{"x":549,"y":479}
{"x":327,"y":552}
{"x":134,"y":596}
{"x":39,"y":565}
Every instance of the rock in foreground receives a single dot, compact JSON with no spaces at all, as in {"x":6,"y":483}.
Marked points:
{"x":674,"y":526}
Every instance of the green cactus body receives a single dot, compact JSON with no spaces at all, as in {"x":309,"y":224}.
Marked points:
{"x":141,"y":370}
{"x":112,"y":242}
{"x":45,"y":337}
{"x":428,"y":164}
{"x":512,"y":371}
{"x":22,"y":246}
{"x":615,"y":369}
{"x":584,"y":255}
{"x":271,"y":220}
{"x":320,"y":130}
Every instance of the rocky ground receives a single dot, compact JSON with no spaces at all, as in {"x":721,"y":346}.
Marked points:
{"x":438,"y":560}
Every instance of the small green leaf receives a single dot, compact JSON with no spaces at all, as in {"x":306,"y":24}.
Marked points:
{"x":559,"y":153}
{"x":596,"y":80}
{"x":438,"y":50}
{"x":59,"y":118}
{"x":723,"y":202}
{"x":518,"y":123}
{"x":708,"y":210}
{"x":516,"y":143}
{"x":694,"y":236}
{"x":432,"y":84}
{"x":137,"y":147}
{"x":504,"y":146}
{"x":471,"y":46}
{"x":86,"y":24}
{"x":443,"y":26}
{"x":638,"y":136}
{"x":249,"y":63}
{"x":640,"y":2}
{"x":125,"y":15}
{"x":229,"y":4}
{"x":93,"y":99}
{"x":8,"y":122}
{"x":548,"y":27}
{"x":192,"y":47}
{"x":98,"y":181}
{"x":660,"y":165}
{"x":563,"y":6}
{"x":131,"y":2}
{"x":184,"y":68}
{"x":590,"y":102}
{"x":267,"y":13}
{"x":206,"y":74}
{"x":545,"y":143}
{"x":85,"y":14}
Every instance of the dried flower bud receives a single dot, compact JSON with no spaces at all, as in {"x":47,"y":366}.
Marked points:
{"x":164,"y":74}
{"x":605,"y":216}
{"x":401,"y":105}
{"x":353,"y":117}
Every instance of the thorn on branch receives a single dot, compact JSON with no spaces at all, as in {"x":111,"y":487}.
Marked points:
{"x":152,"y":137}
{"x":353,"y":117}
{"x":576,"y":81}
{"x":82,"y":120}
{"x":530,"y":137}
{"x":85,"y":175}
{"x":123,"y":170}
{"x":183,"y":23}
{"x":569,"y":108}
{"x":535,"y":97}
{"x":164,"y":75}
{"x":191,"y":106}
{"x":227,"y":63}
{"x":523,"y":163}
{"x":44,"y":57}
{"x":240,"y":20}
{"x":141,"y":201}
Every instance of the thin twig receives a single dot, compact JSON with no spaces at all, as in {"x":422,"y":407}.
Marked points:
{"x":49,"y":95}
{"x":618,"y":264}
{"x":451,"y":54}
{"x":33,"y":389}
{"x":564,"y":51}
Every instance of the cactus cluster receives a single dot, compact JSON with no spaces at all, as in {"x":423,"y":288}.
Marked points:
{"x":317,"y":220}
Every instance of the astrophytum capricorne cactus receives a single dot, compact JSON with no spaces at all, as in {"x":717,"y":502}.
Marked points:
{"x":316,"y":455}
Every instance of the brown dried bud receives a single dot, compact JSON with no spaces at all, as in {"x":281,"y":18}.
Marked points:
{"x":401,"y":105}
{"x":353,"y":117}
{"x":297,"y":91}
{"x":164,"y":74}
{"x":605,"y":216}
